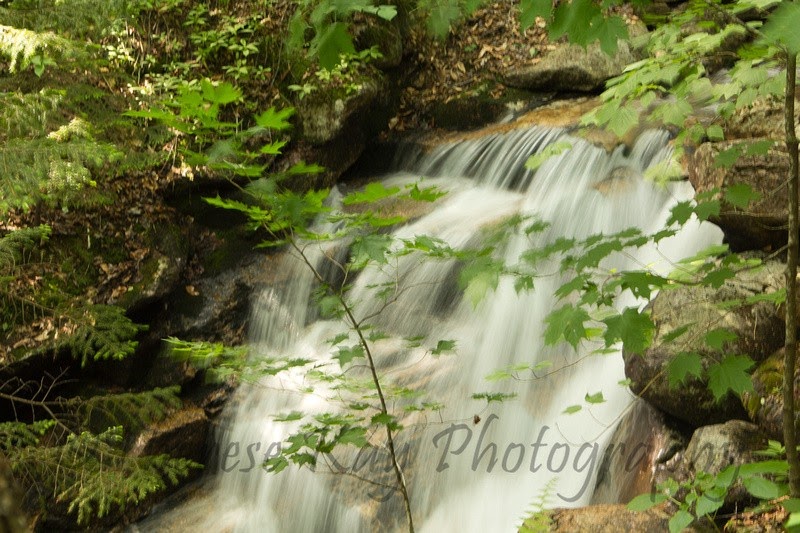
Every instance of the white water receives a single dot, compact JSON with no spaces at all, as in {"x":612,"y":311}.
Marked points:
{"x":487,"y":183}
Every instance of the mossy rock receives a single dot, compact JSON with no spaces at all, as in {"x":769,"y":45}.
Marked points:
{"x":764,"y":404}
{"x":160,"y":270}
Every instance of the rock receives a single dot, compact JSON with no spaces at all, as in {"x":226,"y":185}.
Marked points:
{"x":572,"y":68}
{"x":160,"y":269}
{"x":182,"y":434}
{"x":759,"y":329}
{"x":329,"y":112}
{"x":761,"y":225}
{"x":641,"y":454}
{"x":12,"y":520}
{"x":764,"y":404}
{"x":599,"y":519}
{"x":385,"y":36}
{"x":716,"y":447}
{"x":763,"y":118}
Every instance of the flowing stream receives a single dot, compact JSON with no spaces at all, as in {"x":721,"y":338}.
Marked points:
{"x":470,"y":465}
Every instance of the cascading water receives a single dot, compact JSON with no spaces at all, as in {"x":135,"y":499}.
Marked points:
{"x":470,"y":466}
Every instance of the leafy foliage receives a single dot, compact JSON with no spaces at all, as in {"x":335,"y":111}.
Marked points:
{"x":94,"y":474}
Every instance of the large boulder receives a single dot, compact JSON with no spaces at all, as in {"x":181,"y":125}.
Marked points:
{"x":758,"y":327}
{"x":572,"y":68}
{"x":761,"y":225}
{"x":328,"y":113}
{"x":600,"y":519}
{"x":763,"y":118}
{"x":714,"y":448}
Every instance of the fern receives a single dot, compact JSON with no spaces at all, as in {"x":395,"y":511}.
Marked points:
{"x":93,"y":473}
{"x":133,"y":410}
{"x":103,"y":332}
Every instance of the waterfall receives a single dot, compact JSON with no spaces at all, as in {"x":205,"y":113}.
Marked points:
{"x":470,"y":465}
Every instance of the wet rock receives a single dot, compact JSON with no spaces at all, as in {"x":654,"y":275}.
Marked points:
{"x":762,"y":224}
{"x":641,"y":454}
{"x":182,"y":434}
{"x":758,"y":327}
{"x":572,"y":68}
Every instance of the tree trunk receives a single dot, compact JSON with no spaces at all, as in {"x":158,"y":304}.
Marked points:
{"x":790,"y":438}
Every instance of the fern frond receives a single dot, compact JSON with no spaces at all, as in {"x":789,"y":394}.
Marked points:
{"x":104,"y":332}
{"x":14,"y":244}
{"x":133,"y":410}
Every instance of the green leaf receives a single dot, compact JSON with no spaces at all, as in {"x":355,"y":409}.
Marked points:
{"x":641,"y":284}
{"x":730,"y":375}
{"x":289,"y":417}
{"x":571,"y":20}
{"x":479,"y":277}
{"x":792,"y":525}
{"x":444,"y":346}
{"x":567,"y":323}
{"x":762,"y":488}
{"x":680,"y":213}
{"x":709,"y":503}
{"x":334,"y":42}
{"x":371,"y":193}
{"x":644,"y":502}
{"x":682,"y":365}
{"x":551,"y":150}
{"x":530,"y":9}
{"x":633,"y":328}
{"x":781,"y":26}
{"x":370,"y":247}
{"x":493,"y":396}
{"x":706,"y":209}
{"x":680,"y":520}
{"x":441,"y":17}
{"x":276,"y":464}
{"x":597,"y":397}
{"x":352,"y":435}
{"x":715,"y":133}
{"x":427,"y":194}
{"x":716,"y":338}
{"x":346,"y":354}
{"x":572,"y":409}
{"x":718,"y":277}
{"x":740,"y":195}
{"x":792,"y":505}
{"x":608,"y":30}
{"x":275,"y":120}
{"x":224,"y":93}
